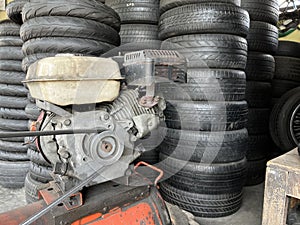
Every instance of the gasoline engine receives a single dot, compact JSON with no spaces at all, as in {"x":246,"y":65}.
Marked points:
{"x":93,"y":112}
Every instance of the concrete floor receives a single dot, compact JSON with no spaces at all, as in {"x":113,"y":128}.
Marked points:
{"x":249,"y":214}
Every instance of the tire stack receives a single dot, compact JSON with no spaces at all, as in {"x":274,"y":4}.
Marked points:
{"x":203,"y":153}
{"x":139,"y":28}
{"x":262,"y":43}
{"x":284,"y":117}
{"x":14,"y":163}
{"x":86,"y":27}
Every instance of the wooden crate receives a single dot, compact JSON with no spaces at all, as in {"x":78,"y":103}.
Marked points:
{"x":282,"y":185}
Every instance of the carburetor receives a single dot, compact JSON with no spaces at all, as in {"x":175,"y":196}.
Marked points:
{"x":84,"y":94}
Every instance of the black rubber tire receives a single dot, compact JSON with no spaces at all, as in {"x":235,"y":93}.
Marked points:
{"x":259,"y":147}
{"x":65,"y":45}
{"x":11,"y":53}
{"x":166,"y":5}
{"x":280,"y":120}
{"x":136,"y":11}
{"x":262,"y":37}
{"x":9,"y":28}
{"x":13,"y":102}
{"x":280,"y":87}
{"x":40,"y":173}
{"x":202,"y":205}
{"x":132,"y":47}
{"x":258,"y":94}
{"x":66,"y":26}
{"x":14,"y":10}
{"x":11,"y":77}
{"x":258,"y":120}
{"x":260,"y":67}
{"x":37,"y":158}
{"x":30,"y":59}
{"x":14,"y":125}
{"x":13,"y":146}
{"x":287,"y":68}
{"x":205,"y":147}
{"x":16,"y":114}
{"x":204,"y":178}
{"x":288,"y":48}
{"x":12,"y":174}
{"x":13,"y":156}
{"x":32,"y":111}
{"x":130,"y":33}
{"x":13,"y":90}
{"x":11,"y":65}
{"x":210,"y":50}
{"x":206,"y":116}
{"x":262,"y":10}
{"x":87,"y":9}
{"x":32,"y":188}
{"x":256,"y":171}
{"x":206,"y":84}
{"x":10,"y":41}
{"x":230,"y":19}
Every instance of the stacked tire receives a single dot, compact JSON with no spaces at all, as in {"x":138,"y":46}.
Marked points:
{"x":284,"y":116}
{"x":14,"y":162}
{"x":57,"y":26}
{"x":262,"y":43}
{"x":203,"y":153}
{"x":139,"y":25}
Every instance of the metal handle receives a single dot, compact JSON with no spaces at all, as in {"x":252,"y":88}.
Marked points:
{"x":161,"y":173}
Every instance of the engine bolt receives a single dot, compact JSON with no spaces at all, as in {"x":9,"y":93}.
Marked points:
{"x":67,"y":122}
{"x":106,"y":117}
{"x":106,"y":147}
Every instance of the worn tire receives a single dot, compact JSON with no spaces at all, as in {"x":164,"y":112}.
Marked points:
{"x":206,"y":85}
{"x":11,"y":65}
{"x":258,"y":94}
{"x":166,"y":5}
{"x":13,"y":156}
{"x":11,"y":77}
{"x":10,"y":41}
{"x":230,"y":20}
{"x":66,"y":26}
{"x":206,"y":116}
{"x":259,"y":147}
{"x":258,"y":120}
{"x":9,"y":28}
{"x":13,"y":102}
{"x":205,"y":147}
{"x":32,"y":111}
{"x":12,"y":174}
{"x":202,"y":205}
{"x":138,"y":33}
{"x":136,"y":11}
{"x":32,"y":188}
{"x":262,"y":10}
{"x":13,"y":90}
{"x":280,"y":87}
{"x":262,"y":37}
{"x":14,"y":125}
{"x":40,"y":173}
{"x":65,"y":45}
{"x":280,"y":120}
{"x":210,"y":50}
{"x":287,"y":68}
{"x":11,"y":53}
{"x":256,"y":171}
{"x":37,"y":158}
{"x":87,"y":9}
{"x":204,"y":178}
{"x":14,"y":10}
{"x":13,"y":146}
{"x":260,"y":67}
{"x":17,"y":114}
{"x":289,"y":49}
